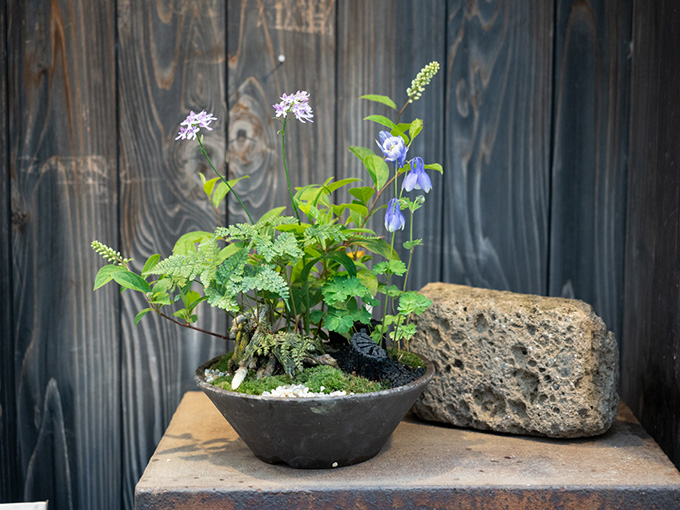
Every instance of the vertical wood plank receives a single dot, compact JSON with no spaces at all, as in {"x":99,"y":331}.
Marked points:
{"x":498,"y":111}
{"x":589,"y":157}
{"x":9,"y":468}
{"x":650,"y":378}
{"x":380,"y":52}
{"x":304,"y":34}
{"x":63,"y":182}
{"x":171,"y":60}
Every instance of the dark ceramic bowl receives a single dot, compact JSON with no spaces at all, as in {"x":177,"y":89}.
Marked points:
{"x":316,"y":432}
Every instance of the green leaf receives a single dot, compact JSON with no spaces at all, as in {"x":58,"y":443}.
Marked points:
{"x":378,"y":170}
{"x":379,"y":246}
{"x":339,"y":323}
{"x":380,"y":99}
{"x":358,"y":208}
{"x":271,"y":214}
{"x":383,"y":121}
{"x":415,"y":128}
{"x":150,"y":263}
{"x":361,"y":152}
{"x":408,"y":245}
{"x":222,"y":189}
{"x":187,"y":244}
{"x":391,"y":266}
{"x":369,"y":280}
{"x":227,"y":252}
{"x":161,"y":298}
{"x":298,"y":229}
{"x":362,"y":194}
{"x":413,"y":302}
{"x":208,"y":185}
{"x":105,"y":275}
{"x":130,"y":280}
{"x":435,"y":166}
{"x":339,"y":184}
{"x":141,"y":314}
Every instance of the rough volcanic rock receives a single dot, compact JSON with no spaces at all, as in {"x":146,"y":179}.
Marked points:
{"x":516,"y":363}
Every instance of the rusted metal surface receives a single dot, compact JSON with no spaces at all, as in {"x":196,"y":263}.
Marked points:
{"x":201,"y":462}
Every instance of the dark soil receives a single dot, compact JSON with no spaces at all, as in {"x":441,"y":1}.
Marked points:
{"x":363,"y":357}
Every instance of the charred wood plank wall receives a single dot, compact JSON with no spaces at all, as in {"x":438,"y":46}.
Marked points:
{"x":650,"y":376}
{"x":529,"y":116}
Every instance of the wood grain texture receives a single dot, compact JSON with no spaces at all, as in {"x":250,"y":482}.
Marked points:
{"x":9,"y":468}
{"x":592,"y":71}
{"x":61,"y":73}
{"x":650,"y":378}
{"x":498,"y":111}
{"x":258,"y":32}
{"x":376,"y":57}
{"x":171,"y":60}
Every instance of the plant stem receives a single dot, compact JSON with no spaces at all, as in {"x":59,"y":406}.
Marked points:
{"x":185,"y":325}
{"x":205,"y":153}
{"x":285,"y":168}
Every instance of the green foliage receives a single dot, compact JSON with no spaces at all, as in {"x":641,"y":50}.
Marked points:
{"x":380,"y":99}
{"x":321,"y":270}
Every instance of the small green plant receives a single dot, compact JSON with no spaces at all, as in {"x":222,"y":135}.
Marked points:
{"x":287,"y":281}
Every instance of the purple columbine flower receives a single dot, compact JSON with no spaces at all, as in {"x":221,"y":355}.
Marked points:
{"x":417,"y":178}
{"x":190,"y":126}
{"x":393,"y":148}
{"x":394,"y":220}
{"x":298,"y":104}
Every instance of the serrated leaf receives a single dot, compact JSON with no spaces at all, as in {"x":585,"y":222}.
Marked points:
{"x":378,"y":170}
{"x":413,"y":302}
{"x":362,"y":194}
{"x":435,"y":166}
{"x":105,"y":275}
{"x":380,"y":99}
{"x":339,"y":323}
{"x":141,"y":314}
{"x":383,"y":121}
{"x":130,"y":280}
{"x":408,"y":245}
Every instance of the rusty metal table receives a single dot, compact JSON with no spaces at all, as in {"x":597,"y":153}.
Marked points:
{"x":201,"y":463}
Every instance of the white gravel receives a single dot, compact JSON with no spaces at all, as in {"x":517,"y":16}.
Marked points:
{"x":289,"y":390}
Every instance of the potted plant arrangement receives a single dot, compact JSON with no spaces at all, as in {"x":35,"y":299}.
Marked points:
{"x":300,"y":289}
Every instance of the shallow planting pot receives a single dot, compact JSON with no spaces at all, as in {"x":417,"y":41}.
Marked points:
{"x":315,"y":432}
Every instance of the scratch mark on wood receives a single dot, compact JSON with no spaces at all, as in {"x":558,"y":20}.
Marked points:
{"x":298,"y":16}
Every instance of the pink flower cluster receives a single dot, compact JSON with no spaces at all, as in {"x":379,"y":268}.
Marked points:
{"x":190,"y":127}
{"x":298,"y":104}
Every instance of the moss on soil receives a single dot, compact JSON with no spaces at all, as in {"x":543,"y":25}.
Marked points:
{"x":332,"y":379}
{"x":409,"y":359}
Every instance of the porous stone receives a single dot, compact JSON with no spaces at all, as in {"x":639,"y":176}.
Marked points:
{"x":516,"y":363}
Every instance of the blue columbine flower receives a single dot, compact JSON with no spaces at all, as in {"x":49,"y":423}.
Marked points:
{"x":417,"y":178}
{"x":394,"y":220}
{"x":393,"y":148}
